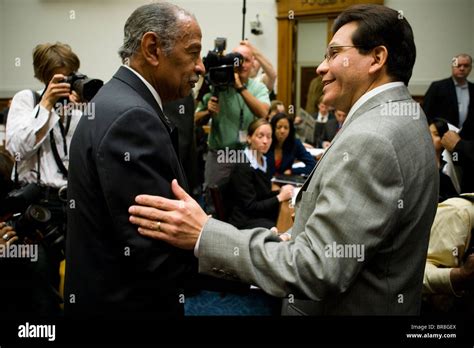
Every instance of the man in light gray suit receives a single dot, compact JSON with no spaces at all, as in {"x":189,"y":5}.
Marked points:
{"x":363,"y":217}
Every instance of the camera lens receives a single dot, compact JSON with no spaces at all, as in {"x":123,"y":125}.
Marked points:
{"x":38,"y":214}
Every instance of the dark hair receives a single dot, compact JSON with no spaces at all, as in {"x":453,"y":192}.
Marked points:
{"x":255,"y":125}
{"x":379,"y":25}
{"x":6,"y":166}
{"x":274,"y":105}
{"x":49,"y":57}
{"x":289,"y":142}
{"x":441,"y":125}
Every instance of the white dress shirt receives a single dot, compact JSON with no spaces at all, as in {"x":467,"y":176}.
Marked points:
{"x":322,"y":118}
{"x":253,"y":160}
{"x":148,"y":85}
{"x":462,"y":96}
{"x":370,"y":94}
{"x":21,"y":129}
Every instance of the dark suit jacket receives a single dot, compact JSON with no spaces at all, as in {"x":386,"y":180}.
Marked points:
{"x":318,"y":130}
{"x":181,"y":113}
{"x":465,"y":152}
{"x":440,"y":101}
{"x":124,"y":149}
{"x":298,"y":152}
{"x":252,"y":202}
{"x":330,"y":129}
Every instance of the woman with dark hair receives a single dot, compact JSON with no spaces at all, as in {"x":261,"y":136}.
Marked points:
{"x":251,"y":203}
{"x":438,"y":127}
{"x":249,"y":191}
{"x":285,"y":149}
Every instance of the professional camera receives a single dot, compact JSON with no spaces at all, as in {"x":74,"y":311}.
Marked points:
{"x":18,"y":200}
{"x":85,"y":87}
{"x":34,"y":225}
{"x":220,"y":67}
{"x":32,"y":222}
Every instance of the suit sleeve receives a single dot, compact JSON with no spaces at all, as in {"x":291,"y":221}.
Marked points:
{"x":465,"y":150}
{"x":242,"y":182}
{"x":304,"y":156}
{"x":358,"y":206}
{"x":136,"y":156}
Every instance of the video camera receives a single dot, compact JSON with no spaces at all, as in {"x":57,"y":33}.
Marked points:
{"x":85,"y":87}
{"x":220,"y":67}
{"x":32,"y":222}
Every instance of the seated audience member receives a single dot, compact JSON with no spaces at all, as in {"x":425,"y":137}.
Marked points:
{"x":449,"y":271}
{"x":438,"y":128}
{"x":461,"y":147}
{"x":285,"y":149}
{"x":315,"y":92}
{"x":276,"y":107}
{"x":322,"y":117}
{"x":253,"y":202}
{"x":331,"y":128}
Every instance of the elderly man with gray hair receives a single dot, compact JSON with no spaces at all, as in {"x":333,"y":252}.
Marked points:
{"x":127,"y":147}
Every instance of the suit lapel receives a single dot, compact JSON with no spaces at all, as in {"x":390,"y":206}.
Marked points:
{"x":128,"y":77}
{"x":453,"y":97}
{"x":396,"y":94}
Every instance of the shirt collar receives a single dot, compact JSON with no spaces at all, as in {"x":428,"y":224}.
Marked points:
{"x":322,"y":118}
{"x":370,"y":94}
{"x":458,"y":85}
{"x":148,"y":85}
{"x":253,"y":160}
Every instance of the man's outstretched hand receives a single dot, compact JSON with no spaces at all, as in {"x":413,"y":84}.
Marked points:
{"x":177,"y":222}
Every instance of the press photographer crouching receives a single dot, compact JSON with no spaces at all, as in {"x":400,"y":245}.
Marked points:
{"x":38,"y":135}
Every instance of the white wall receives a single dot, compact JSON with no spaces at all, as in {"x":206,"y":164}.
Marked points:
{"x":94,"y":29}
{"x":442,"y":28}
{"x":311,"y":45}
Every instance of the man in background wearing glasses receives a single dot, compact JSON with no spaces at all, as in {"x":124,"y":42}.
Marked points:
{"x":363,"y":217}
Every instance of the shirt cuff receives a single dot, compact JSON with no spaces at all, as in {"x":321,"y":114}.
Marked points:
{"x":438,"y":280}
{"x":196,"y":247}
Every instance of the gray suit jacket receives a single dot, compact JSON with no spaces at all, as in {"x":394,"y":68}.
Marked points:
{"x":375,"y":190}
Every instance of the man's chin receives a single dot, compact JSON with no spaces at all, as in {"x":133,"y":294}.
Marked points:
{"x":328,"y":100}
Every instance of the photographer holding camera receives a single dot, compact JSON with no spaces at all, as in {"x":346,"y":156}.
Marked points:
{"x":38,"y":134}
{"x":232,"y":109}
{"x":268,"y":75}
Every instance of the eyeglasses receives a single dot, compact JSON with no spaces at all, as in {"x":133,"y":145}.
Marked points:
{"x":332,"y":51}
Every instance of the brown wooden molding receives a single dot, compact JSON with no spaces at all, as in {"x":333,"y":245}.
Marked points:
{"x":288,"y":14}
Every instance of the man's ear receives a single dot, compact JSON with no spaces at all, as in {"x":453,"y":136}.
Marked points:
{"x":150,"y":48}
{"x":380,"y":56}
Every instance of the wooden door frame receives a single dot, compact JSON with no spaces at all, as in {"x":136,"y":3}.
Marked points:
{"x":289,"y":12}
